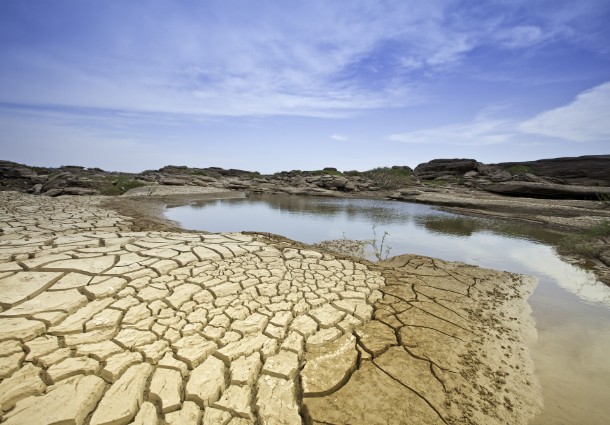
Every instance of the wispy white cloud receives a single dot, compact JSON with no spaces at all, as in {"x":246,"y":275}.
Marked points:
{"x":339,"y":137}
{"x":521,"y":36}
{"x":482,"y":131}
{"x":586,"y":119}
{"x":225,"y":59}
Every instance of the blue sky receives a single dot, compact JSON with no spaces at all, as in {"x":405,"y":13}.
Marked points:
{"x":281,"y":85}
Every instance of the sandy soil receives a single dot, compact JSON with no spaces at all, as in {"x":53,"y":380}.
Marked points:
{"x":111,"y":317}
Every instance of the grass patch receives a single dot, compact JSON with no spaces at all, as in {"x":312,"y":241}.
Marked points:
{"x":324,"y":172}
{"x":604,"y":199}
{"x":387,"y":177}
{"x":200,"y":173}
{"x":588,"y":243}
{"x":116,"y":185}
{"x":40,"y":170}
{"x":600,"y":230}
{"x":519,"y":169}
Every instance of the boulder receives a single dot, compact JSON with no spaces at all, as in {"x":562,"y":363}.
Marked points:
{"x":445,"y":167}
{"x":527,"y":177}
{"x":332,"y":182}
{"x":57,"y":181}
{"x":36,"y":189}
{"x":18,"y":177}
{"x":502,"y":176}
{"x":151,"y":178}
{"x":11,"y":170}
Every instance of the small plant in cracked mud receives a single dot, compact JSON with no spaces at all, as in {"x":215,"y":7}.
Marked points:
{"x":380,"y":249}
{"x":604,"y":199}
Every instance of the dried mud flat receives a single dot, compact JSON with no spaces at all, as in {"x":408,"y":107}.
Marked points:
{"x":103,"y":325}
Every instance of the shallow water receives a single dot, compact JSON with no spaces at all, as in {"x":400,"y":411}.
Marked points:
{"x":571,"y":308}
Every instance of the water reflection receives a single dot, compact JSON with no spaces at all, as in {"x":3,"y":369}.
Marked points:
{"x":467,"y":226}
{"x":449,"y":225}
{"x":581,"y":282}
{"x":310,"y":206}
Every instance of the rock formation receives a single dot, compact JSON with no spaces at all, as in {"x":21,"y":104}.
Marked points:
{"x":590,"y":170}
{"x":562,"y":178}
{"x":439,"y":168}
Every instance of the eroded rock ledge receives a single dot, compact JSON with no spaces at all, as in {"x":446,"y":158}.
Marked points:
{"x":103,"y":325}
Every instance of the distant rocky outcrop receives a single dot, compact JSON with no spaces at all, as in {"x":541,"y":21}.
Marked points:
{"x":585,"y":177}
{"x":76,"y":180}
{"x":562,"y":178}
{"x":590,"y":170}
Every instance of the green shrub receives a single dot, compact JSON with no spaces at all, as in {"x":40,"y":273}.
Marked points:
{"x":600,"y":230}
{"x":325,"y":172}
{"x":200,"y":173}
{"x":519,"y":169}
{"x":387,"y":177}
{"x":380,"y":249}
{"x":589,"y":242}
{"x":604,"y":199}
{"x":116,"y":185}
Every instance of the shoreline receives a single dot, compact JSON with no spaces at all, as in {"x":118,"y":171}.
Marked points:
{"x":564,"y":216}
{"x":339,"y":340}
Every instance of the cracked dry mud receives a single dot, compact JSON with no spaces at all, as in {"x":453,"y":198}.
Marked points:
{"x":102,"y":325}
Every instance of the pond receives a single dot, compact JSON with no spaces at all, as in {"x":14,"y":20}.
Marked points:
{"x":570,"y":307}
